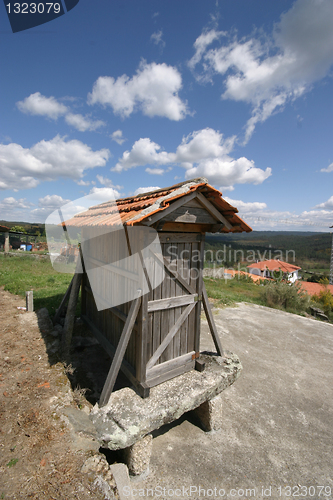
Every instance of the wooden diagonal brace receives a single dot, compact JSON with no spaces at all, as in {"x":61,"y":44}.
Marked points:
{"x":120,"y":351}
{"x":161,"y":348}
{"x":211,"y":322}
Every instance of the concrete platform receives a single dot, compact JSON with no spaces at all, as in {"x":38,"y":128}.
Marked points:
{"x":127,"y":417}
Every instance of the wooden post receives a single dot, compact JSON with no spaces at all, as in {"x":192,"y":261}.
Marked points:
{"x":6,"y":242}
{"x":63,"y":303}
{"x":70,"y":316}
{"x":29,"y":301}
{"x":120,"y":351}
{"x":211,"y":322}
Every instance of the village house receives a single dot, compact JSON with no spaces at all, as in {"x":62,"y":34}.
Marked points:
{"x":269,"y":268}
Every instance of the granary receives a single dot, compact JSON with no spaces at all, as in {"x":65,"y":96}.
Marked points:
{"x":152,"y":332}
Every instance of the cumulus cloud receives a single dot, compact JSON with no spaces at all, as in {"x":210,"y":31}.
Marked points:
{"x":156,"y":38}
{"x":155,"y":171}
{"x":52,"y":201}
{"x":202,"y":153}
{"x":143,"y":152}
{"x":83,"y":123}
{"x":105,"y":193}
{"x":12,"y":203}
{"x":142,"y":190}
{"x":201,"y":44}
{"x":268,"y":74}
{"x":153,"y":90}
{"x":117,"y":136}
{"x":260,"y":217}
{"x":327,"y":205}
{"x":328,"y":169}
{"x":38,"y":104}
{"x":107,"y":182}
{"x":23,"y":168}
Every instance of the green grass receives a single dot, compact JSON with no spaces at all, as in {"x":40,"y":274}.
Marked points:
{"x":19,"y":274}
{"x":227,"y":292}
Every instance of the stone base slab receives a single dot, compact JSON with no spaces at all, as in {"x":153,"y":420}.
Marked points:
{"x":127,"y":418}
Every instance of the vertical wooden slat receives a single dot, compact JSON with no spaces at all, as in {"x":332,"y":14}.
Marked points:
{"x":156,"y":327}
{"x":165,"y":294}
{"x":200,"y":286}
{"x":141,"y":338}
{"x":193,"y":281}
{"x":178,"y":291}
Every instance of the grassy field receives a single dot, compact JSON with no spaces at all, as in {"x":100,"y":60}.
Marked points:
{"x":227,"y":292}
{"x":19,"y":274}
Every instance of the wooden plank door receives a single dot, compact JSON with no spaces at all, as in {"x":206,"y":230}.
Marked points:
{"x":174,"y":308}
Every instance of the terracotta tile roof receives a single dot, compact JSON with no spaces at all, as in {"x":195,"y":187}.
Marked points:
{"x":234,"y":273}
{"x":133,"y":210}
{"x":315,"y":288}
{"x":274,"y":265}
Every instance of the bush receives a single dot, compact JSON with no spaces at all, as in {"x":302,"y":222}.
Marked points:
{"x":281,"y":294}
{"x":325,"y":300}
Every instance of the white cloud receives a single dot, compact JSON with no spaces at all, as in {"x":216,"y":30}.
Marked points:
{"x":153,"y":89}
{"x":246,"y":206}
{"x":155,"y":171}
{"x":24,"y":168}
{"x":37,"y":104}
{"x":201,"y":44}
{"x":328,"y":169}
{"x":107,"y":182}
{"x":327,"y":205}
{"x":52,"y":201}
{"x":83,"y":183}
{"x":82,"y":123}
{"x":142,"y":190}
{"x":261,"y":217}
{"x":143,"y":152}
{"x":202,"y":153}
{"x":12,"y":203}
{"x":105,"y":193}
{"x":156,"y":38}
{"x":268,"y":74}
{"x":117,"y":136}
{"x":12,"y":209}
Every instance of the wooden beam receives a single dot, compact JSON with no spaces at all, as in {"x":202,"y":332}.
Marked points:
{"x":212,"y":210}
{"x":170,"y":303}
{"x":70,"y":316}
{"x":62,"y":304}
{"x":126,"y":368}
{"x":173,"y":205}
{"x":167,"y":366}
{"x":211,"y":322}
{"x":176,"y":275}
{"x":166,"y":341}
{"x":120,"y":351}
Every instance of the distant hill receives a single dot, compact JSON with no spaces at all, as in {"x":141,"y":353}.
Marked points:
{"x":307,"y":246}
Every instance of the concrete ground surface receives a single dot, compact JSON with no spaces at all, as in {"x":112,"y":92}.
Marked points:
{"x":277,"y":435}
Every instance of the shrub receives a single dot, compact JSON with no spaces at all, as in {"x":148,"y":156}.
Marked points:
{"x":325,"y":300}
{"x":281,"y":294}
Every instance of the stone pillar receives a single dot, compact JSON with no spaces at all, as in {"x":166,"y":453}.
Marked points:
{"x":210,"y":414}
{"x":137,"y":456}
{"x":6,"y":242}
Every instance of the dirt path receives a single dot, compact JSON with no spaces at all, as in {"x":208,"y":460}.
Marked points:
{"x":39,"y":456}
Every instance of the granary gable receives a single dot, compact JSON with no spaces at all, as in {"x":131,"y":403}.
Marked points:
{"x":190,"y":206}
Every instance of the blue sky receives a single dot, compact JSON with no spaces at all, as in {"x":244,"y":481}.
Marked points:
{"x":119,"y":96}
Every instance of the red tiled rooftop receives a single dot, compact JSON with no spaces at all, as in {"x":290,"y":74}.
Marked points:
{"x":315,"y":288}
{"x":135,"y":209}
{"x":274,"y":265}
